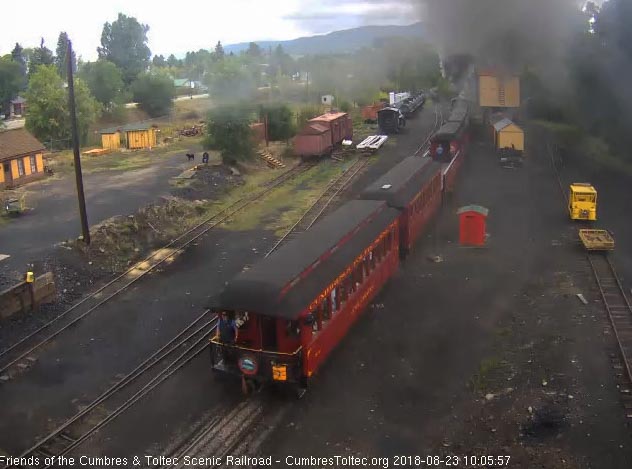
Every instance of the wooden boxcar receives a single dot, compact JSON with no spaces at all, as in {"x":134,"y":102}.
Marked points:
{"x":313,"y":140}
{"x":295,"y":306}
{"x":414,"y":187}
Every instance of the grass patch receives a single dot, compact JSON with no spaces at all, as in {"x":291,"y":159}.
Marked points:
{"x":295,"y":197}
{"x":592,"y":150}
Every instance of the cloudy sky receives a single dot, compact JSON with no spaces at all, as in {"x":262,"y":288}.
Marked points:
{"x":177,"y":27}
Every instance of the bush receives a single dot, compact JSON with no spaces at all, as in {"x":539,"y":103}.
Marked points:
{"x":306,"y":113}
{"x":154,"y":93}
{"x":228,"y":131}
{"x":280,"y":122}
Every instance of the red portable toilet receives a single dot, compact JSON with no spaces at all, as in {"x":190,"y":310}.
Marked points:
{"x":472,"y":225}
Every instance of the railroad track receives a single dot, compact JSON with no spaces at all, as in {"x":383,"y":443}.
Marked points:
{"x":18,"y":356}
{"x":619,"y":312}
{"x":437,"y":125}
{"x":324,"y":200}
{"x":179,"y":351}
{"x":615,"y":302}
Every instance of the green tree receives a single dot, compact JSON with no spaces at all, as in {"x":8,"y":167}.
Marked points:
{"x":124,"y":43}
{"x":61,"y":57}
{"x":154,"y":93}
{"x":280,"y":121}
{"x":17,"y":54}
{"x":230,"y":80}
{"x":48,"y":117}
{"x":219,"y":53}
{"x":41,"y":55}
{"x":173,"y":61}
{"x":229,"y":133}
{"x":11,"y":81}
{"x":104,"y":80}
{"x":159,"y":61}
{"x":254,"y":50}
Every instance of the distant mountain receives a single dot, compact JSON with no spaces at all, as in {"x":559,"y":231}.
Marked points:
{"x":336,"y":42}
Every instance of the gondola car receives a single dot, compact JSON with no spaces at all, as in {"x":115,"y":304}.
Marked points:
{"x":295,"y":306}
{"x":413,"y":187}
{"x":390,"y":120}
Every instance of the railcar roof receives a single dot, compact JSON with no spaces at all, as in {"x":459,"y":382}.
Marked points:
{"x":278,"y":286}
{"x":400,"y":185}
{"x":447,"y":130}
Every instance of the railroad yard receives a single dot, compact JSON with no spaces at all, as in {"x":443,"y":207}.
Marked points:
{"x":464,"y":352}
{"x":399,"y":239}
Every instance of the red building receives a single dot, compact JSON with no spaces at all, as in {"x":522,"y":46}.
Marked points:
{"x":472,"y":225}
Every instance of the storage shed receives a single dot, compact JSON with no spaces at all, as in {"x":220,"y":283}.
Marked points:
{"x":472,"y":225}
{"x":21,"y":158}
{"x":508,"y":135}
{"x":111,"y":141}
{"x":498,"y":89}
{"x":137,"y":136}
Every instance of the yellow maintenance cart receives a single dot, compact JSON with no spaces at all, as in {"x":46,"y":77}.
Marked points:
{"x":582,"y":201}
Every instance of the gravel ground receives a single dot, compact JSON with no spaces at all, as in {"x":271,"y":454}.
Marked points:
{"x":511,"y":365}
{"x":121,"y":334}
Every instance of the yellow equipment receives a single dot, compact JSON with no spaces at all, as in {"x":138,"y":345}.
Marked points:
{"x":596,"y":240}
{"x":582,"y":201}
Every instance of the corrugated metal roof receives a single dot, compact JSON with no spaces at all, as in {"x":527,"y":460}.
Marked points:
{"x":314,"y":128}
{"x":18,"y":142}
{"x":501,"y":124}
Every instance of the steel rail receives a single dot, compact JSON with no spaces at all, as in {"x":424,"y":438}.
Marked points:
{"x":196,"y":232}
{"x":327,"y":197}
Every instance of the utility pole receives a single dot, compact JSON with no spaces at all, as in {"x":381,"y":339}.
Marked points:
{"x":85,"y":228}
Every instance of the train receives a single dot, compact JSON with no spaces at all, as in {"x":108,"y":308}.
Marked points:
{"x":392,"y":119}
{"x":281,"y":319}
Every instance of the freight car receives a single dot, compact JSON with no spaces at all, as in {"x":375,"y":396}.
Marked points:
{"x":322,"y":134}
{"x":391,"y":120}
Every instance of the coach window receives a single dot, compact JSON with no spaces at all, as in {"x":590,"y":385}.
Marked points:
{"x":372,"y":259}
{"x":327,"y":308}
{"x":293,"y":329}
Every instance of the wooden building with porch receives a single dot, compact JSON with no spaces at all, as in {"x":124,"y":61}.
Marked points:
{"x":21,"y":158}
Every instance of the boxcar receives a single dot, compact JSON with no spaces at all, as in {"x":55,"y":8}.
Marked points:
{"x":414,"y":187}
{"x":313,"y":140}
{"x":295,"y":306}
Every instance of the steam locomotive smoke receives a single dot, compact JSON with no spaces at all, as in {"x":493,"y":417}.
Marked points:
{"x":501,"y":32}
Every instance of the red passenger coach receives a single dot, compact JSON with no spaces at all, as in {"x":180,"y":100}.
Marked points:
{"x":291,"y":309}
{"x":449,"y":146}
{"x":414,"y":187}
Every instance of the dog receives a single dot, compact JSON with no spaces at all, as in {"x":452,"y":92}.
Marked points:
{"x":191,"y":156}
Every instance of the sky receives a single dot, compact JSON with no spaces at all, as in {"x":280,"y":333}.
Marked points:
{"x":178,"y":27}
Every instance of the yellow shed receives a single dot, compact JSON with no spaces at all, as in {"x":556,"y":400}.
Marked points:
{"x":508,"y":135}
{"x":141,"y":138}
{"x":111,"y":140}
{"x":496,"y":89}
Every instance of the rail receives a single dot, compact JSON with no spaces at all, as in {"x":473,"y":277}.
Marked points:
{"x":45,"y":333}
{"x":126,"y":392}
{"x":324,"y":200}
